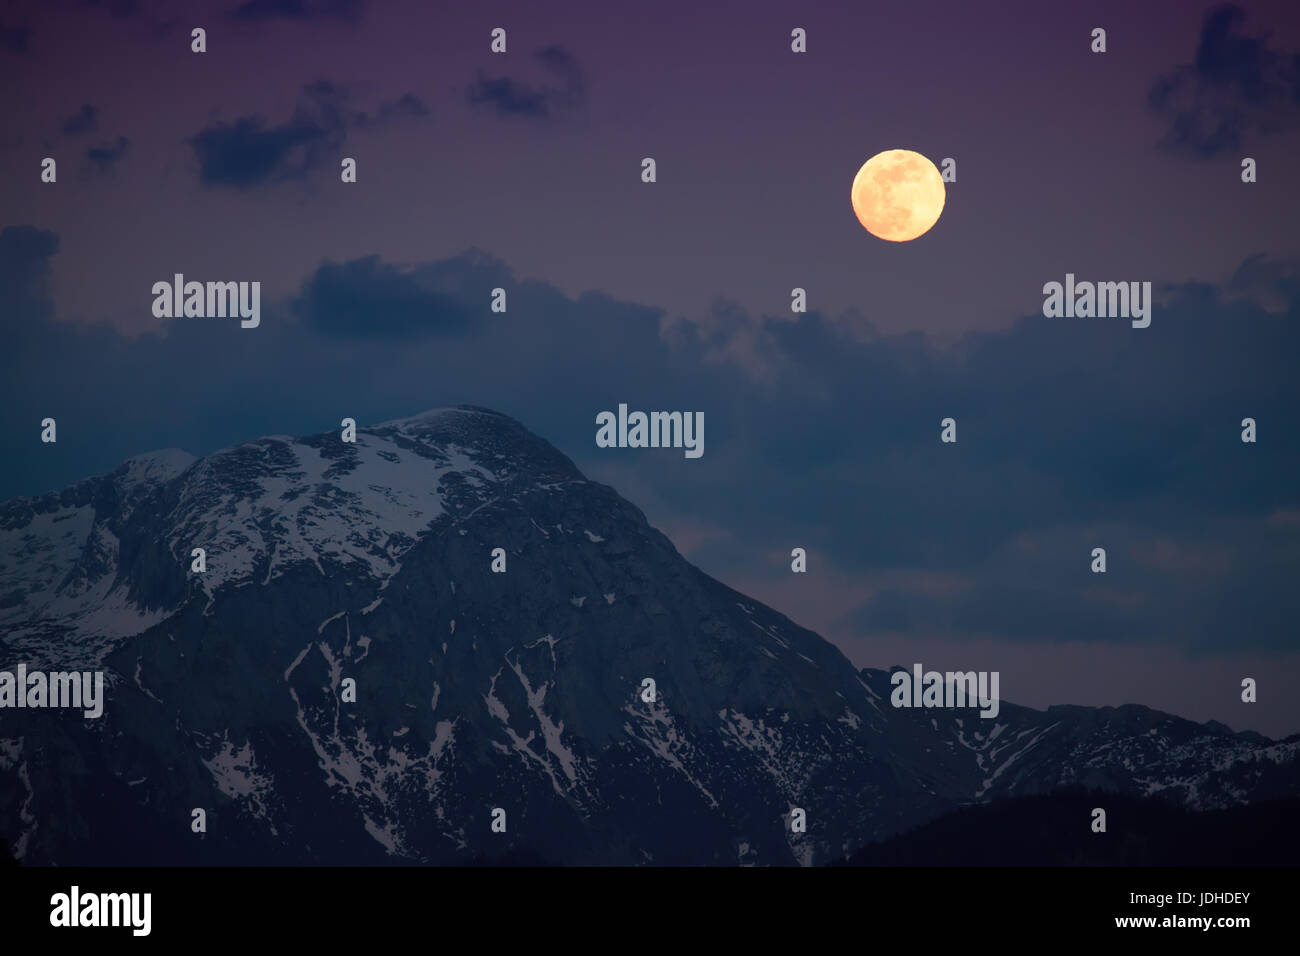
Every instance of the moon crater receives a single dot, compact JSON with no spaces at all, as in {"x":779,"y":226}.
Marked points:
{"x":898,"y":195}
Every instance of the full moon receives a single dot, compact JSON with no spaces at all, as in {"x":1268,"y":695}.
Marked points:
{"x":898,"y":195}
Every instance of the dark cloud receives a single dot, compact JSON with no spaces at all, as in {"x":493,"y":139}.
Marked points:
{"x":509,"y":97}
{"x":1266,"y":278}
{"x":257,"y":10}
{"x":1235,"y":88}
{"x":82,"y":121}
{"x":1072,"y":433}
{"x":249,"y":152}
{"x":15,"y":39}
{"x":408,"y":106}
{"x":514,"y":97}
{"x":367,"y":299}
{"x":560,"y":62}
{"x":25,"y":254}
{"x":324,"y":103}
{"x":105,"y":157}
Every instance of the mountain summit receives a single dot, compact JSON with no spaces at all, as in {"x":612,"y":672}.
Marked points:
{"x":481,"y":699}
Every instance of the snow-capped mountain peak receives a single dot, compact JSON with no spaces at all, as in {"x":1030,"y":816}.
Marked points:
{"x":517,"y":638}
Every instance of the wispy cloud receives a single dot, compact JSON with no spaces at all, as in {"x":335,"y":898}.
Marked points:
{"x":1235,"y":88}
{"x":106,"y":156}
{"x":509,"y":96}
{"x":250,"y":152}
{"x":82,"y":121}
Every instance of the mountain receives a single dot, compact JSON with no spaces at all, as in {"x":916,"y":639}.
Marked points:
{"x":328,"y":562}
{"x":1055,"y":830}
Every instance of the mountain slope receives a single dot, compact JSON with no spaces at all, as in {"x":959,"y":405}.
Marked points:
{"x":329,"y":561}
{"x":1056,"y":830}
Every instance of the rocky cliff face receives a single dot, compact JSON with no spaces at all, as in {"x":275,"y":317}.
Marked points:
{"x":329,"y":561}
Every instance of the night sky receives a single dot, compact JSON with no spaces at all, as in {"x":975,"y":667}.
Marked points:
{"x":522,"y":170}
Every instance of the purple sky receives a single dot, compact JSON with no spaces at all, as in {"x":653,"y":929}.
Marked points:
{"x":1056,"y":158}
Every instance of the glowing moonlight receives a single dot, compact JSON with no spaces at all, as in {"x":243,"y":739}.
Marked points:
{"x":898,"y":195}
